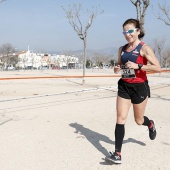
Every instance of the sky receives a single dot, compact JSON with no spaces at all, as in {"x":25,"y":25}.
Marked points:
{"x":42,"y":24}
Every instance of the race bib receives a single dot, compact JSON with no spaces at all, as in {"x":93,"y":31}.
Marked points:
{"x":127,"y":73}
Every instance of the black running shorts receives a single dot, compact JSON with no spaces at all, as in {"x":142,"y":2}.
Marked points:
{"x":136,"y":92}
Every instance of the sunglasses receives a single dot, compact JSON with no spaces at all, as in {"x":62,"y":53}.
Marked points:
{"x":130,"y":31}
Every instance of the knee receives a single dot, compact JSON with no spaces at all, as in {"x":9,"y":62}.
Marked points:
{"x":139,"y":121}
{"x":121,"y":119}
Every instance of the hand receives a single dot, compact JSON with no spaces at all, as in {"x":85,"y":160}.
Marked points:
{"x":131,"y":65}
{"x":116,"y":69}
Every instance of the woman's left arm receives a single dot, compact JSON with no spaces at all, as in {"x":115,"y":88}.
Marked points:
{"x":148,"y":53}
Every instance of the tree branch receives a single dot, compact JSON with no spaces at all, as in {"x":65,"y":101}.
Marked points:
{"x":165,"y":10}
{"x":2,"y":1}
{"x":141,"y":7}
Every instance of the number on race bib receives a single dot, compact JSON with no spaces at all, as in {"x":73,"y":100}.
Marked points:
{"x":127,"y":73}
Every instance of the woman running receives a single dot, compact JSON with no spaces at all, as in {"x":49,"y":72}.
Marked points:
{"x":133,"y":88}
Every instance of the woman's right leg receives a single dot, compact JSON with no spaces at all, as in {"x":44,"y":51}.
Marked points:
{"x":122,"y":107}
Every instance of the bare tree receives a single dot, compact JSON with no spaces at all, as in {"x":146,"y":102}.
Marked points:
{"x":159,"y":45}
{"x":73,"y":15}
{"x":101,"y":59}
{"x":141,"y":7}
{"x":166,"y":58}
{"x":165,"y":13}
{"x":8,"y":56}
{"x":97,"y":59}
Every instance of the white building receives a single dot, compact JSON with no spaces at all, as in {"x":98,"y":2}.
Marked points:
{"x":38,"y":60}
{"x":64,"y":61}
{"x":29,"y":60}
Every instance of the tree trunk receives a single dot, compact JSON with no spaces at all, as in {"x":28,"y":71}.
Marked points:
{"x":84,"y":60}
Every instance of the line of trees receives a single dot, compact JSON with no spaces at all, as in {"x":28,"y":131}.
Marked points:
{"x":73,"y":14}
{"x":100,"y":60}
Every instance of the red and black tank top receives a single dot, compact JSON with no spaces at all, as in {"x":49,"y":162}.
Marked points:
{"x":135,"y":57}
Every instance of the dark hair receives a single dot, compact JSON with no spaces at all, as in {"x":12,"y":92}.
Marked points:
{"x":136,"y":23}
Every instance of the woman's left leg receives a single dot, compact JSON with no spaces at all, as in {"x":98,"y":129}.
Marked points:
{"x":139,"y":111}
{"x":140,"y":119}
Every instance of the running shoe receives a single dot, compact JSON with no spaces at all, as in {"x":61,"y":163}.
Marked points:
{"x":114,"y":158}
{"x":152,"y":131}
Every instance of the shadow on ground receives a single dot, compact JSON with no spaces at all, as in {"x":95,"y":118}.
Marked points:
{"x":95,"y":138}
